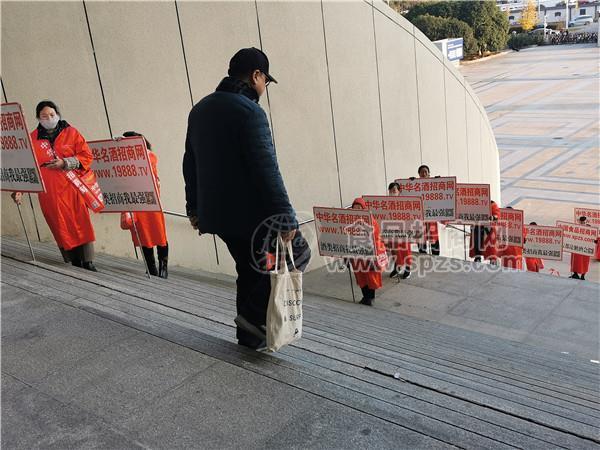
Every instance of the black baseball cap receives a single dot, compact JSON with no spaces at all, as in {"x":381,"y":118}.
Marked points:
{"x":247,"y":60}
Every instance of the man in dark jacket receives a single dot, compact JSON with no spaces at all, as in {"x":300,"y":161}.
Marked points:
{"x":234,"y":188}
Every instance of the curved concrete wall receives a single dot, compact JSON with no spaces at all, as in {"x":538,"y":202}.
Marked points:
{"x":363,"y":97}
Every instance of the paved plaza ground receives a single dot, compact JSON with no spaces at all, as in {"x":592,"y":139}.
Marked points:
{"x":543,"y":103}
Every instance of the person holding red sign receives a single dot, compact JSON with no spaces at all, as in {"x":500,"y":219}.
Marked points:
{"x":490,"y":244}
{"x":150,"y":225}
{"x":580,"y":264}
{"x":512,"y":256}
{"x":402,"y":253}
{"x":431,"y":228}
{"x":368,"y":273}
{"x":483,"y":238}
{"x":533,"y":264}
{"x":64,"y":158}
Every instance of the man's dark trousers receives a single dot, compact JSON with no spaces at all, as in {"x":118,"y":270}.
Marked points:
{"x":253,"y":285}
{"x":254,"y":281}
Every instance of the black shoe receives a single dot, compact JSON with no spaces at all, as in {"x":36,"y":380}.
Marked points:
{"x":76,"y":263}
{"x":152,"y":269}
{"x":162,"y":268}
{"x":253,"y":343}
{"x":405,"y":275}
{"x":575,"y":276}
{"x":89,"y":266}
{"x":366,"y":301}
{"x":394,"y":273}
{"x":477,"y":259}
{"x":256,"y":331}
{"x":582,"y":276}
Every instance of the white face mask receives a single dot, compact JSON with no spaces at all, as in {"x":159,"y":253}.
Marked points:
{"x":50,"y":124}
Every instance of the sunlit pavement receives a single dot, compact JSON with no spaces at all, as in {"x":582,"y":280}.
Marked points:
{"x":543,"y":103}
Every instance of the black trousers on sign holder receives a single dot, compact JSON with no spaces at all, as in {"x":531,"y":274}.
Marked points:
{"x":137,"y":235}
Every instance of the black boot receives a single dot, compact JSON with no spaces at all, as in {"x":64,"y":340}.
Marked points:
{"x":148,"y":253}
{"x":582,"y":276}
{"x":89,"y":265}
{"x":575,"y":276}
{"x":163,"y":257}
{"x":162,"y":268}
{"x":368,"y":296}
{"x":76,"y":256}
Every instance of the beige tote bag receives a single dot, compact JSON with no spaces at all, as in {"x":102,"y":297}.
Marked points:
{"x":284,"y":313}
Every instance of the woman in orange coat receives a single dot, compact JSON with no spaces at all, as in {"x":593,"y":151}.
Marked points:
{"x":368,"y":273}
{"x":59,"y":147}
{"x":512,"y":256}
{"x":580,"y":264}
{"x":401,"y":252}
{"x":483,"y":238}
{"x":533,"y":264}
{"x":150,"y":226}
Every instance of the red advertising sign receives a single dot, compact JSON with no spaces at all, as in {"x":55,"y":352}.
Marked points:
{"x":543,"y":242}
{"x":578,"y":238}
{"x":473,"y":205}
{"x":401,"y":218}
{"x":19,"y":169}
{"x":510,"y":227}
{"x":125,"y":175}
{"x":344,"y":233}
{"x":438,"y":195}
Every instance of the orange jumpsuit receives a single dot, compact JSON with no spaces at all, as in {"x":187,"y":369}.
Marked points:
{"x":403,"y":254}
{"x":512,"y":257}
{"x":534,"y":264}
{"x":431,"y":232}
{"x":490,"y":249}
{"x":367,"y":273}
{"x":580,"y":263}
{"x":63,"y":206}
{"x":150,"y":225}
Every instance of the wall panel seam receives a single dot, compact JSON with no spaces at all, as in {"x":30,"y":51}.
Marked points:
{"x":418,"y":100}
{"x":467,"y":135}
{"x":337,"y":160}
{"x":260,"y":42}
{"x":391,"y":19}
{"x":187,"y":72}
{"x":444,"y":70}
{"x":385,"y":174}
{"x":87,"y":20}
{"x":3,"y":90}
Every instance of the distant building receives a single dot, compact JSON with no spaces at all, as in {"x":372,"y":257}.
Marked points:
{"x":554,"y":11}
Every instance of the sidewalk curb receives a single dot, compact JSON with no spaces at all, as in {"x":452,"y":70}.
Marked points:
{"x":475,"y":61}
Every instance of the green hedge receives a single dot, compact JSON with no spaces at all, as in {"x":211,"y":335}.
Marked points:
{"x":489,"y":25}
{"x":521,"y":40}
{"x":436,"y":28}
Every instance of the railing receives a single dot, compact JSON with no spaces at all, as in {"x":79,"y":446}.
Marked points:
{"x":307,"y":221}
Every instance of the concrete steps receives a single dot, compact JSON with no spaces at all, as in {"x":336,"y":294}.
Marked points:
{"x":439,"y":384}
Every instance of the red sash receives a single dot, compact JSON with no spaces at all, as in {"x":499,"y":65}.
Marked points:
{"x":87,"y":185}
